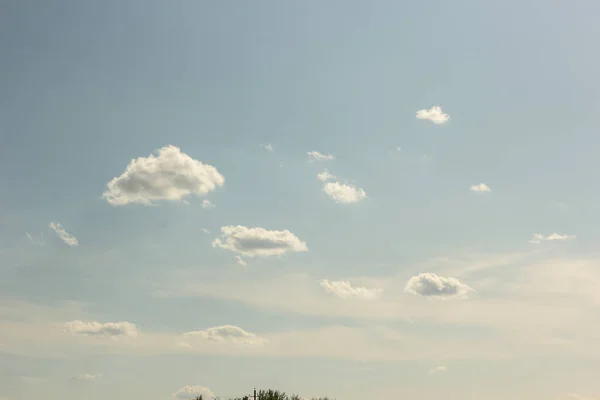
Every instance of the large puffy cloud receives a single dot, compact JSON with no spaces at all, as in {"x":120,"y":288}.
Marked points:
{"x":193,"y":392}
{"x":345,"y":290}
{"x":343,"y":193}
{"x":63,"y":234}
{"x":98,"y":329}
{"x":253,"y":242}
{"x":434,"y":114}
{"x":170,"y":175}
{"x":227,"y":333}
{"x":432,"y":285}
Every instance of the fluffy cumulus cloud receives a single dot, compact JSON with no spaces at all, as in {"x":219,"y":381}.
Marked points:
{"x":193,"y":392}
{"x":344,"y":194}
{"x":252,"y":242}
{"x":227,"y":333}
{"x":437,"y":370}
{"x":86,"y":377}
{"x":64,"y":235}
{"x":169,"y":175}
{"x":538,"y":237}
{"x":345,"y":290}
{"x":434,"y":114}
{"x":104,"y":330}
{"x":316,"y":156}
{"x":431,"y":285}
{"x":325,"y":176}
{"x":481,"y":188}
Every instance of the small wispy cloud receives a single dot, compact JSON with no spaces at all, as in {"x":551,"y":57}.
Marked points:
{"x":316,"y":156}
{"x":345,"y":290}
{"x":39,"y":241}
{"x":64,"y":235}
{"x":86,"y":377}
{"x":227,"y":333}
{"x":240,"y":261}
{"x":206,"y":231}
{"x":538,"y":237}
{"x":575,"y":396}
{"x":325,"y":176}
{"x":267,"y":147}
{"x":481,"y":188}
{"x":31,"y":380}
{"x":207,"y":204}
{"x":434,"y":114}
{"x":437,"y":370}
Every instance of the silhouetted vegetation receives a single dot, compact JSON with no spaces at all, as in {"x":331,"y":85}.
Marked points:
{"x":270,"y":394}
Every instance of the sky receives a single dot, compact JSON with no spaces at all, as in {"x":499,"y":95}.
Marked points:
{"x":352,"y":199}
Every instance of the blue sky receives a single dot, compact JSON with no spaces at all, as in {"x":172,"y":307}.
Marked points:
{"x":398,"y":275}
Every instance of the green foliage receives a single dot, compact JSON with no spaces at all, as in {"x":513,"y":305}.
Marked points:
{"x":270,"y":395}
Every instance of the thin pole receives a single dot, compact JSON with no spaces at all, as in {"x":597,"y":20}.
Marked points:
{"x":254,"y":393}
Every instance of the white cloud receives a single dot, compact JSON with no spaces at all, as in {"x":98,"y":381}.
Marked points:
{"x":434,"y":114}
{"x":325,"y":176}
{"x":431,"y":285}
{"x":342,"y":193}
{"x":437,"y":370}
{"x":64,"y":235}
{"x":171,"y":175}
{"x":97,"y":329}
{"x":481,"y":187}
{"x":86,"y":377}
{"x":345,"y":290}
{"x":31,"y":380}
{"x":227,"y":333}
{"x":252,"y":242}
{"x":575,"y":396}
{"x":207,"y":204}
{"x":538,"y":237}
{"x":316,"y":156}
{"x":192,"y":392}
{"x":204,"y":230}
{"x":240,"y":261}
{"x":35,"y":241}
{"x":267,"y":147}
